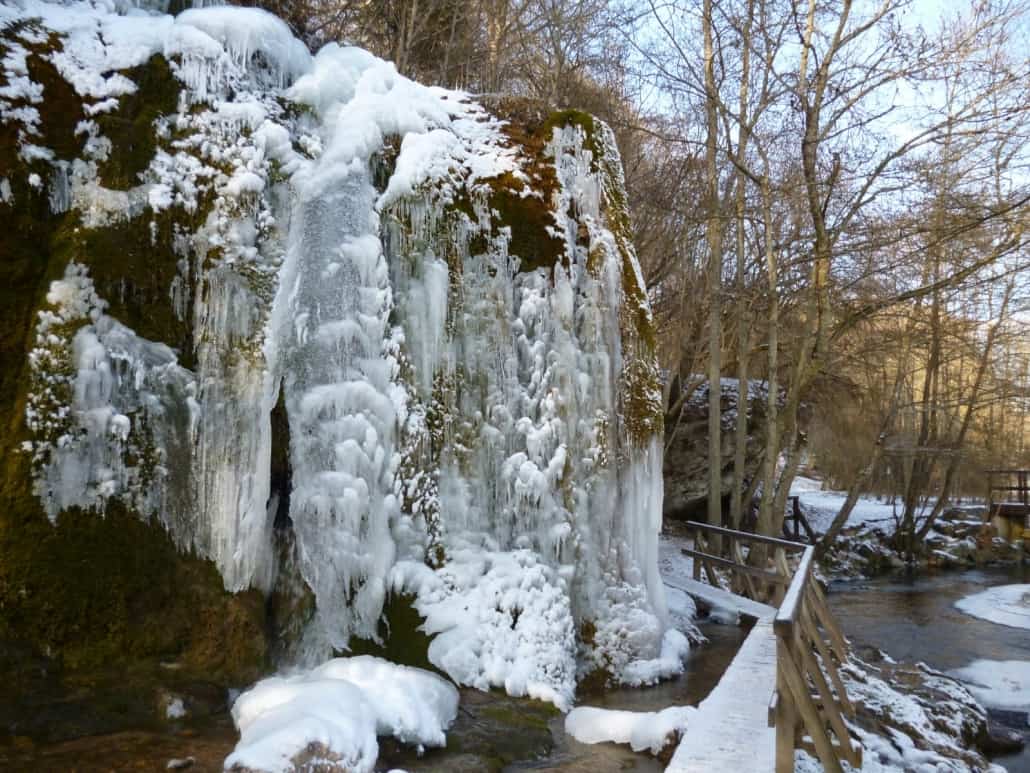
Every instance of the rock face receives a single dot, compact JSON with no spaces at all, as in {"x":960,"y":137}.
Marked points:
{"x":297,"y":325}
{"x":686,"y":452}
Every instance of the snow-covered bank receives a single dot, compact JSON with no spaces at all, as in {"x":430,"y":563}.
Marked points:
{"x":1003,"y":604}
{"x":821,"y":506}
{"x":910,"y":718}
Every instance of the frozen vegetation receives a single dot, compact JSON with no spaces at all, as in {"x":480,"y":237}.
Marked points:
{"x":473,"y":419}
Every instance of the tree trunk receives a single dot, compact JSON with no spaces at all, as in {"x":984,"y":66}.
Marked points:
{"x":714,"y":238}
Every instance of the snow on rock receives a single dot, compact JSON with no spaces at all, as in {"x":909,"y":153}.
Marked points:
{"x":642,"y":730}
{"x":1003,"y":604}
{"x":335,"y":712}
{"x":911,"y":718}
{"x":998,"y":684}
{"x":471,"y":396}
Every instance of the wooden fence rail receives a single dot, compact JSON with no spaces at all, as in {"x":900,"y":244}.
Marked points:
{"x":810,"y":699}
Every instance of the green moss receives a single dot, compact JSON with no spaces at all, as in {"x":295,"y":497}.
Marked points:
{"x":401,"y":638}
{"x":385,"y":162}
{"x":132,"y":264}
{"x":530,"y":716}
{"x":130,"y":126}
{"x":27,"y":223}
{"x":99,"y":588}
{"x":584,"y":121}
{"x":531,"y":221}
{"x":96,"y":588}
{"x":60,"y":110}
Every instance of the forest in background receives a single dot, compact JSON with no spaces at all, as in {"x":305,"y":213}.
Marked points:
{"x":829,"y":196}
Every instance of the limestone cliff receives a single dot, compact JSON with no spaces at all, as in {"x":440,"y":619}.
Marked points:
{"x":333,"y":337}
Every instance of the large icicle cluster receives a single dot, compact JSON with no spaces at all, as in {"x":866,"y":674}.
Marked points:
{"x":471,"y":394}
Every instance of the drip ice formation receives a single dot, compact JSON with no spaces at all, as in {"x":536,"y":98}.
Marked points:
{"x":454,"y":324}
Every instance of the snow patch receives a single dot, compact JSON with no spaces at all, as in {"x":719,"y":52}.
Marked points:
{"x":998,"y":684}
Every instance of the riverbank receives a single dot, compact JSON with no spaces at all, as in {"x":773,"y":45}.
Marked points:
{"x":912,"y":617}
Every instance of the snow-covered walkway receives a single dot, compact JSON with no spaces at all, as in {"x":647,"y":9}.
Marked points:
{"x":730,"y":730}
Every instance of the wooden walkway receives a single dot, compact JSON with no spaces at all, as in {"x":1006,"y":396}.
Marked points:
{"x":730,"y":731}
{"x":783,"y":690}
{"x":719,"y":600}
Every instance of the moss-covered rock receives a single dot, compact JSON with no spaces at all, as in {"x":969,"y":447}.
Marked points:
{"x":96,"y":589}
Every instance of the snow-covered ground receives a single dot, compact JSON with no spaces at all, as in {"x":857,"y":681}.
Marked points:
{"x":1003,"y":604}
{"x":821,"y":507}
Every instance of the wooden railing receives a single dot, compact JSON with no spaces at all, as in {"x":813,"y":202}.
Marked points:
{"x":809,"y":698}
{"x":801,"y":530}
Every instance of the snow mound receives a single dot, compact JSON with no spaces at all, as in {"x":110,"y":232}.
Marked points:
{"x":998,"y":684}
{"x":501,"y":619}
{"x":1005,"y":605}
{"x":338,"y":709}
{"x":650,"y":730}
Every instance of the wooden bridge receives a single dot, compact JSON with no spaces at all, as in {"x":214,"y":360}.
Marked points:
{"x":1008,"y":503}
{"x":783,"y":690}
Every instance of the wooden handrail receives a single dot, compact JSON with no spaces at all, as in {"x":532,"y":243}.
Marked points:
{"x":763,"y":574}
{"x":790,"y":609}
{"x":746,"y":536}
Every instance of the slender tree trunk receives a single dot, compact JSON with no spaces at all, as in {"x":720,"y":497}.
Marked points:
{"x":967,"y":419}
{"x":714,"y":238}
{"x":772,"y":408}
{"x":743,"y":320}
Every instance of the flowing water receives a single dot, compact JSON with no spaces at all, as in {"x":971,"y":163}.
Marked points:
{"x":519,"y":735}
{"x":913,"y":618}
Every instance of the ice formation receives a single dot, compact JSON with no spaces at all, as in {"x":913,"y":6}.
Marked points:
{"x":642,"y":730}
{"x":336,"y":711}
{"x":1003,"y":604}
{"x":470,"y":394}
{"x":999,"y":684}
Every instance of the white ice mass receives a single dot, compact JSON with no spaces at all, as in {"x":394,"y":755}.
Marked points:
{"x":642,"y":730}
{"x":337,"y":710}
{"x":998,"y":684}
{"x":1003,"y":604}
{"x":473,"y":419}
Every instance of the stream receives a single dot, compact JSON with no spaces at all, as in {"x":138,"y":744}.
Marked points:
{"x":913,"y":618}
{"x":910,"y":618}
{"x":517,"y":735}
